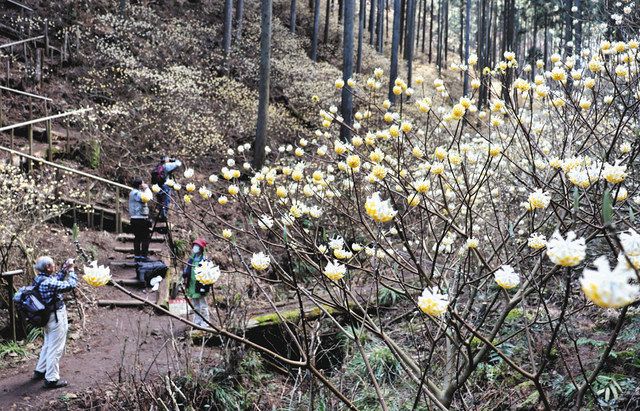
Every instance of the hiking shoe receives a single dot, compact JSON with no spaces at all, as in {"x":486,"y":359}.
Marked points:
{"x":37,"y":376}
{"x":55,"y":384}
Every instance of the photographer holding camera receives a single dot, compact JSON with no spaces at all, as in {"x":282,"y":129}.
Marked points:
{"x":51,"y":284}
{"x":159,"y":175}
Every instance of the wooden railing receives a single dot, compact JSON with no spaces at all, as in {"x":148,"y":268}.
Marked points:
{"x":20,"y":5}
{"x":47,"y":120}
{"x":118,"y":187}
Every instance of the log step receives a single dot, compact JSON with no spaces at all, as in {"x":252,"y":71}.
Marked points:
{"x":120,"y":303}
{"x":124,"y":264}
{"x":130,"y":250}
{"x":156,"y":238}
{"x":129,"y":282}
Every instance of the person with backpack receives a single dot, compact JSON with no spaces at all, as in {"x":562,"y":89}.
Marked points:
{"x":194,"y":290}
{"x":159,"y":175}
{"x":49,"y":285}
{"x":139,"y":215}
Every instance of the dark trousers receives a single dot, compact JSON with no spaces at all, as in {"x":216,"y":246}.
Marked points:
{"x":141,"y":236}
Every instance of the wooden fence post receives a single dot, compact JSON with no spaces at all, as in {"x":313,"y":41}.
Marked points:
{"x":118,"y":216}
{"x":12,"y":309}
{"x":48,"y":131}
{"x":46,"y":37}
{"x":30,"y":135}
{"x":49,"y":141}
{"x":12,"y":134}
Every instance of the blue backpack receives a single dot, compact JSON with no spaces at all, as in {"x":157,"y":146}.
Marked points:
{"x":30,"y":306}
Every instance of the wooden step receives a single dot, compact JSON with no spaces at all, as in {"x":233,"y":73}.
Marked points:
{"x":156,"y":238}
{"x":120,"y":303}
{"x":123,"y":264}
{"x":130,"y":250}
{"x":132,"y":282}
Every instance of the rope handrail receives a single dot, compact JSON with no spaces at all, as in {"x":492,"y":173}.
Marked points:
{"x":24,"y":93}
{"x":41,"y":119}
{"x":18,"y":42}
{"x":65,"y":168}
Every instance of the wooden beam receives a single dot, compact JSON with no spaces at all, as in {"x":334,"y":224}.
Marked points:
{"x":120,"y":303}
{"x":43,"y":119}
{"x":22,"y":6}
{"x":68,"y":169}
{"x":24,"y":93}
{"x":18,"y":42}
{"x":12,"y":273}
{"x":129,"y":282}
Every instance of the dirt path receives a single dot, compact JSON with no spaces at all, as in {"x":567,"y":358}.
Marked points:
{"x":114,"y":343}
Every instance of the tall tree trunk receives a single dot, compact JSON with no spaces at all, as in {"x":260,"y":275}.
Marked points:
{"x":239,"y":18}
{"x":411,"y":33}
{"x":406,"y":14}
{"x":568,"y":28}
{"x":424,"y":23}
{"x":418,"y":21}
{"x":430,"y":32}
{"x":316,"y":30}
{"x":372,"y":21}
{"x":461,"y":44}
{"x":380,"y":36}
{"x":467,"y":29}
{"x":578,"y":33}
{"x":509,"y":16}
{"x":326,"y":22}
{"x":386,"y":19}
{"x":226,"y":35}
{"x":439,"y":41}
{"x":395,"y":44}
{"x":445,"y":43}
{"x":361,"y":16}
{"x":403,"y":8}
{"x":263,"y":98}
{"x":292,"y":16}
{"x":546,"y":39}
{"x":347,"y":70}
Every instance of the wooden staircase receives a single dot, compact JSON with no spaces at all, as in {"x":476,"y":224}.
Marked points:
{"x":123,"y":272}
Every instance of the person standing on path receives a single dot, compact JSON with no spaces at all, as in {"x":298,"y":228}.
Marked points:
{"x":196,"y":291}
{"x":139,"y":214}
{"x":159,"y":176}
{"x":51,"y":285}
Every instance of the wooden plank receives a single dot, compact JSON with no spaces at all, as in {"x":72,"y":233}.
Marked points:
{"x":156,"y":238}
{"x":130,"y":250}
{"x":43,"y":119}
{"x":120,"y":303}
{"x":69,"y":169}
{"x":18,"y":42}
{"x":24,"y":93}
{"x":129,"y":282}
{"x":126,"y":264}
{"x":22,"y":6}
